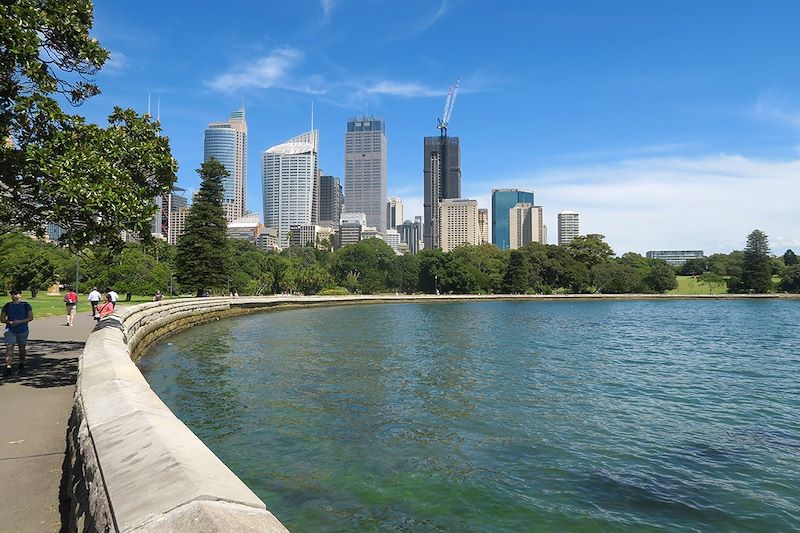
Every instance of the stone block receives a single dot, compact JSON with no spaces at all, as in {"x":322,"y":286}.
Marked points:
{"x":213,"y":517}
{"x":153,"y":463}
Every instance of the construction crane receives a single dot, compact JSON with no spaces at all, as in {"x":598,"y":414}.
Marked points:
{"x":449,"y":102}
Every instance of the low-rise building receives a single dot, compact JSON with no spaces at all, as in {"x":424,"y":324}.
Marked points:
{"x":675,"y":257}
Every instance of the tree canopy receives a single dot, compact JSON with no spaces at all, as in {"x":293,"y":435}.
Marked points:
{"x":94,"y":182}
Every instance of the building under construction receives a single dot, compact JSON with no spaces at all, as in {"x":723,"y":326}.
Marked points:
{"x":442,"y":173}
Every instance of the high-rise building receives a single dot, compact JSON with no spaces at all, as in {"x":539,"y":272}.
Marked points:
{"x":525,"y":224}
{"x":568,"y":227}
{"x":502,"y":201}
{"x":166,"y":204}
{"x":411,"y":234}
{"x":177,"y":224}
{"x":442,"y":175}
{"x":331,"y":201}
{"x":227,"y":143}
{"x":459,"y":222}
{"x":365,"y":170}
{"x":288,"y":174}
{"x":394,"y":213}
{"x":483,"y":224}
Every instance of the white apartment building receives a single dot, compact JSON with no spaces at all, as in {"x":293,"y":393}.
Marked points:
{"x":392,"y":238}
{"x":568,"y":227}
{"x":394,"y":213}
{"x":525,"y":224}
{"x":458,"y":219}
{"x":288,"y":173}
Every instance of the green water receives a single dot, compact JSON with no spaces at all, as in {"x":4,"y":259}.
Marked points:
{"x":502,"y":416}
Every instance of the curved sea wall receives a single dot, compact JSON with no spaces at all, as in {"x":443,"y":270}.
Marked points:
{"x":131,"y":464}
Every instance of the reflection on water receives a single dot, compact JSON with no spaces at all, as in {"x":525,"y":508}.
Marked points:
{"x":502,"y":416}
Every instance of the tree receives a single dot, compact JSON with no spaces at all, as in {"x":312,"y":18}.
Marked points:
{"x":661,"y":277}
{"x":135,"y":272}
{"x":791,"y":279}
{"x":694,"y":267}
{"x":590,"y":250}
{"x":614,"y":277}
{"x":712,"y":281}
{"x":789,"y":258}
{"x":756,"y":267}
{"x":54,"y":167}
{"x":201,"y":258}
{"x":518,"y":273}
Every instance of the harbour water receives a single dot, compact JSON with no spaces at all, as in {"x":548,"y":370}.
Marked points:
{"x":502,"y":416}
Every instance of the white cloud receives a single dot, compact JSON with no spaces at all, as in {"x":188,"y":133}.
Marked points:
{"x":430,"y":21}
{"x":709,"y":203}
{"x":264,"y":73}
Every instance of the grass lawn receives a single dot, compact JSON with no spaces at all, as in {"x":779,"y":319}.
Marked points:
{"x":44,"y":305}
{"x":690,"y":285}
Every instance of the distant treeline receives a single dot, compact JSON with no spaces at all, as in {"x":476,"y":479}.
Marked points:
{"x":586,"y":265}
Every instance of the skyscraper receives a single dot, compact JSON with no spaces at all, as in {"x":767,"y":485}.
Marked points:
{"x":394,"y":213}
{"x":331,"y":201}
{"x":227,"y":143}
{"x":288,"y":173}
{"x":502,"y":201}
{"x":568,"y":227}
{"x":442,"y":175}
{"x":365,"y":172}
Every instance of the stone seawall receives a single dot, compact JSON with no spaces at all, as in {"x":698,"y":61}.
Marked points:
{"x":133,"y":466}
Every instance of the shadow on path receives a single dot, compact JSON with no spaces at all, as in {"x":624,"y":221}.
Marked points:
{"x":48,"y":364}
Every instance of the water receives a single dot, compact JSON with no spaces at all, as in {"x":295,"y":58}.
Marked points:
{"x":502,"y":416}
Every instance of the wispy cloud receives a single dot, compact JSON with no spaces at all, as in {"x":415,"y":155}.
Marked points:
{"x":431,"y":20}
{"x":264,"y":73}
{"x":707,"y":202}
{"x":401,"y":88}
{"x":776,"y":107}
{"x":327,"y":6}
{"x":116,"y":62}
{"x":628,"y":152}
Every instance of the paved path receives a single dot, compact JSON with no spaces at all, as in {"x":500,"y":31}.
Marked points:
{"x":35,"y":406}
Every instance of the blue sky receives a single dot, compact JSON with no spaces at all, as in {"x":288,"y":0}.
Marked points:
{"x":666,"y":125}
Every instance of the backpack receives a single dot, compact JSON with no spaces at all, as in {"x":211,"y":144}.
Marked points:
{"x":71,"y":298}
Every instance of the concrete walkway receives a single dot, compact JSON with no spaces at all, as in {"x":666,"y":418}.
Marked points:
{"x":35,"y":406}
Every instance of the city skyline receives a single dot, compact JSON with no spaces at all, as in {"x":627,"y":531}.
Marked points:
{"x":637,"y":116}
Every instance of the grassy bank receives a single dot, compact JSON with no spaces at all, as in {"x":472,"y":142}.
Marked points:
{"x":45,"y":305}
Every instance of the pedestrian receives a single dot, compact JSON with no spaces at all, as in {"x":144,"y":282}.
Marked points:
{"x":15,"y":315}
{"x":94,"y":299}
{"x":114,"y":296}
{"x":71,"y":302}
{"x":158,"y":296}
{"x":105,"y":308}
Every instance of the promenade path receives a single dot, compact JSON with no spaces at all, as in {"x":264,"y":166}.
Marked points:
{"x":35,"y":407}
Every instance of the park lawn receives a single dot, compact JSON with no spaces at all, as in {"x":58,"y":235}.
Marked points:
{"x":690,"y":285}
{"x":45,"y":305}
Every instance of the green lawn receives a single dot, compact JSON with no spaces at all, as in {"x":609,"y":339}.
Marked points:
{"x":690,"y":285}
{"x":44,"y":305}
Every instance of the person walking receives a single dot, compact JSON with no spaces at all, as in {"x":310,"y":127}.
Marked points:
{"x":158,"y":296}
{"x":114,"y":296}
{"x":94,"y":299}
{"x":15,"y":315}
{"x":71,"y":302}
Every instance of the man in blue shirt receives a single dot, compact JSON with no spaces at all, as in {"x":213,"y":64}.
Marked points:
{"x":15,"y":315}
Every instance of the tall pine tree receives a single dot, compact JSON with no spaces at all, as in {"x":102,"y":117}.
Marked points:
{"x":201,"y":255}
{"x":756,"y":268}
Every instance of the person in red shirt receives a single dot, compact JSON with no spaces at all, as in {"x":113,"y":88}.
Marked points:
{"x":71,"y":301}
